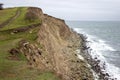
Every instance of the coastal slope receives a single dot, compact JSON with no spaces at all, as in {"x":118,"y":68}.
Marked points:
{"x":37,"y":46}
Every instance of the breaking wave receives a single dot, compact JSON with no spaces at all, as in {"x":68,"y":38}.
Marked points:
{"x":97,"y":49}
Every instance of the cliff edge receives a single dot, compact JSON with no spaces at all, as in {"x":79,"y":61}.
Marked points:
{"x":45,"y":43}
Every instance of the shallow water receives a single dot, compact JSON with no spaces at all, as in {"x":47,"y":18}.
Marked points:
{"x":104,"y":40}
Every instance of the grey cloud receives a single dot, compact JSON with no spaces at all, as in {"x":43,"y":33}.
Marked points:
{"x":74,"y":9}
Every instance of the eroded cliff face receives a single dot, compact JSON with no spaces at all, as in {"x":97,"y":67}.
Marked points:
{"x":55,"y":49}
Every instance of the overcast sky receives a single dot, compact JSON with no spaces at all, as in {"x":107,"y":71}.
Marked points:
{"x":106,"y":10}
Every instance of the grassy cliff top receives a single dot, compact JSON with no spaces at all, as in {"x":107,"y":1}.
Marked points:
{"x":17,"y":24}
{"x":6,"y":14}
{"x":16,"y":18}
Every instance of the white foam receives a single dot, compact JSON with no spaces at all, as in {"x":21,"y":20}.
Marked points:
{"x":98,"y":46}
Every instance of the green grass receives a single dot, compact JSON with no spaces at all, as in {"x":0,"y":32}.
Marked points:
{"x":8,"y":68}
{"x":21,"y":20}
{"x":6,"y":14}
{"x":30,"y":35}
{"x":18,"y":69}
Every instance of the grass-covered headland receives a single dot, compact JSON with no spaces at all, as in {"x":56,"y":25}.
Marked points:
{"x":17,"y":25}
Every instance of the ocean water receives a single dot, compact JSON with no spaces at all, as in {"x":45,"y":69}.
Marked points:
{"x":104,"y":40}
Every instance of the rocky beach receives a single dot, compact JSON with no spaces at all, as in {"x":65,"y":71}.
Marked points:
{"x":98,"y":66}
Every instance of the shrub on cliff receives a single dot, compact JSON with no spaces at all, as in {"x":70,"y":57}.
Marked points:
{"x":1,"y":6}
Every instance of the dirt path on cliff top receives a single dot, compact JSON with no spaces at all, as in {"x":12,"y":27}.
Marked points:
{"x":7,"y":22}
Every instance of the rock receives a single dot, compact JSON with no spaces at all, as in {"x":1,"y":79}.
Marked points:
{"x":13,"y":51}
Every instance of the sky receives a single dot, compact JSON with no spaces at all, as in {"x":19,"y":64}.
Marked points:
{"x":82,"y":10}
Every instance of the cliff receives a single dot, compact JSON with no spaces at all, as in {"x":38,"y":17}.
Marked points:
{"x":45,"y":43}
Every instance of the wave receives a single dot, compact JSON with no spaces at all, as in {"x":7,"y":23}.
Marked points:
{"x":97,"y":48}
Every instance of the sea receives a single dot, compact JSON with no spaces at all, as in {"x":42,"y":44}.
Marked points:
{"x":104,"y":40}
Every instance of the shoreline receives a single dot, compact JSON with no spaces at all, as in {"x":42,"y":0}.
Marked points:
{"x":95,"y":63}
